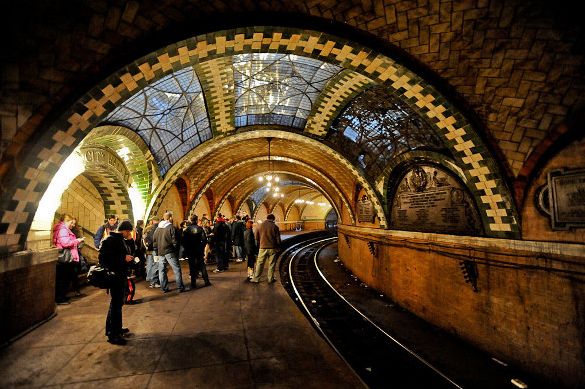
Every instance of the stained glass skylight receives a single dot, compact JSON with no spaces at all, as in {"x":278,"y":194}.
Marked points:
{"x":170,"y":116}
{"x":376,"y":126}
{"x":278,"y":89}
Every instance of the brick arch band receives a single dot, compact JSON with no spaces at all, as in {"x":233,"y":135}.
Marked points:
{"x":113,"y":192}
{"x":61,"y":137}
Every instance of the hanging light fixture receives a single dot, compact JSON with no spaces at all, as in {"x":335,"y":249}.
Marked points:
{"x":270,"y":179}
{"x":299,"y":200}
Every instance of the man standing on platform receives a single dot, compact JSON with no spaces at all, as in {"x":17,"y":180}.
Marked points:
{"x":165,"y":245}
{"x":151,"y":265}
{"x":116,"y":251}
{"x":194,"y":241}
{"x":268,"y":238}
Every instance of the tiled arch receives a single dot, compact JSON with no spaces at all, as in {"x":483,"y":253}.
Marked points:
{"x":223,"y":143}
{"x":113,"y":193}
{"x":63,"y":135}
{"x":338,"y":192}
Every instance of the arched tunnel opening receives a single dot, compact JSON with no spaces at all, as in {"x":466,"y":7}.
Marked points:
{"x":449,"y":181}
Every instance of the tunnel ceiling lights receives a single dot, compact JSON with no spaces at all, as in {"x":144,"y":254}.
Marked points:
{"x":271,"y":179}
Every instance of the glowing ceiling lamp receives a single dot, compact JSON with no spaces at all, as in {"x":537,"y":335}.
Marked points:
{"x":299,"y":200}
{"x":270,"y":179}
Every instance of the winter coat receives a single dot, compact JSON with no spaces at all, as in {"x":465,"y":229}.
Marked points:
{"x":194,"y":240}
{"x":102,"y":233}
{"x":238,"y":228}
{"x":64,"y":238}
{"x":250,"y":242}
{"x":268,"y":235}
{"x":165,"y":240}
{"x":113,"y":253}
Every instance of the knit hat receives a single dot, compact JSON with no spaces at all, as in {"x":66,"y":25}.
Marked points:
{"x":126,"y":225}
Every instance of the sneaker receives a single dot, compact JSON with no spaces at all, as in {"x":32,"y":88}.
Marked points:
{"x":157,"y":285}
{"x":271,"y":281}
{"x":239,"y":260}
{"x":166,"y":290}
{"x":66,"y":302}
{"x":218,"y":271}
{"x":124,"y":330}
{"x":184,"y":290}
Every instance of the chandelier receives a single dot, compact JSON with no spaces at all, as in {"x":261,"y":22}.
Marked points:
{"x":270,"y":178}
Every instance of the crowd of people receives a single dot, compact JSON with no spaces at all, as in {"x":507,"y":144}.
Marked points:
{"x":130,"y":252}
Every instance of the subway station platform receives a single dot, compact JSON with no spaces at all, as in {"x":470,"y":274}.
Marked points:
{"x":232,"y":334}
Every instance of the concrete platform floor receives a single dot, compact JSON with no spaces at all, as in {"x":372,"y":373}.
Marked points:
{"x":232,"y":334}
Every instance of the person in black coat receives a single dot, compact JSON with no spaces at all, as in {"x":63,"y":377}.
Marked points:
{"x":116,"y":251}
{"x":194,"y":241}
{"x":222,"y":238}
{"x":250,"y":247}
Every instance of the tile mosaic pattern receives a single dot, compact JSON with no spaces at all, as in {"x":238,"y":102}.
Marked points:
{"x":113,"y":192}
{"x":333,"y":99}
{"x":138,"y":154}
{"x":217,"y":80}
{"x":491,"y":193}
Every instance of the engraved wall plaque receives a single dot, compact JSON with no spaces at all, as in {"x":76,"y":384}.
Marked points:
{"x":365,"y":210}
{"x":565,"y":198}
{"x":430,"y":199}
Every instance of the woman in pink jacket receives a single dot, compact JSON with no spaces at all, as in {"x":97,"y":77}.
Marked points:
{"x":64,"y":238}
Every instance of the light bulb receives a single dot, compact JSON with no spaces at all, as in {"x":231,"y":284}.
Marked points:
{"x":269,"y":177}
{"x":260,"y":178}
{"x":276,"y":178}
{"x":281,"y":195}
{"x":269,"y":184}
{"x":267,"y":189}
{"x":276,"y":189}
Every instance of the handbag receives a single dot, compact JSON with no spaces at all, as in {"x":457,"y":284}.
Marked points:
{"x":65,"y":256}
{"x":83,"y":265}
{"x":100,"y":277}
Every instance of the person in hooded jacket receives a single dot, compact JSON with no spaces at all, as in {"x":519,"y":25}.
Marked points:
{"x":165,"y":245}
{"x":116,"y":252}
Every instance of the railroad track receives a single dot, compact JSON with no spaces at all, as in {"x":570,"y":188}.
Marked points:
{"x":376,"y":357}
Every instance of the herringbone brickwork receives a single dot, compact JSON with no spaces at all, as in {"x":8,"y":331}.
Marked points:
{"x":515,"y":63}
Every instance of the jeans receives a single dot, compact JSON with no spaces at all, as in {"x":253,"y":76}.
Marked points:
{"x":263,"y":255}
{"x":151,"y":270}
{"x":196,"y":265}
{"x":239,"y":252}
{"x":222,"y":254}
{"x":172,"y":260}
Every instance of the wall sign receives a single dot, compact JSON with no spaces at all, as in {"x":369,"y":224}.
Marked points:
{"x":430,"y":199}
{"x":365,"y":210}
{"x":563,"y":198}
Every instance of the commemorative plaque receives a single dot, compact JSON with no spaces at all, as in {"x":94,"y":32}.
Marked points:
{"x":365,"y":210}
{"x":430,"y":199}
{"x":563,"y":198}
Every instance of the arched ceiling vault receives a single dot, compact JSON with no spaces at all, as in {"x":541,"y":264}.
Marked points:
{"x":249,"y":185}
{"x":226,"y":180}
{"x":240,"y":180}
{"x":218,"y":154}
{"x":349,"y":68}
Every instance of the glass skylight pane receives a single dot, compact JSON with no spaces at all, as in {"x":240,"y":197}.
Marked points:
{"x":166,"y":113}
{"x":376,"y":126}
{"x":270,"y":86}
